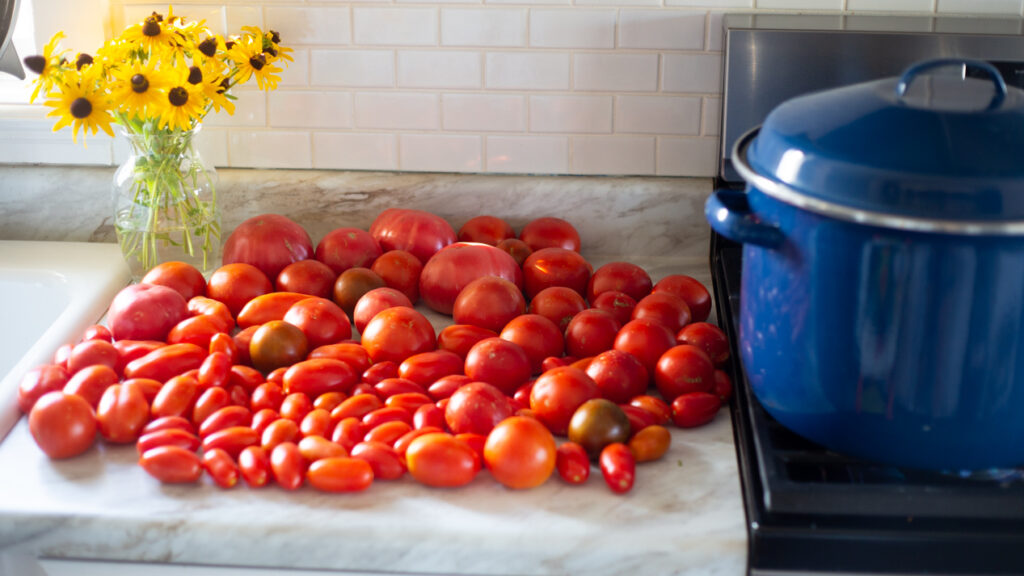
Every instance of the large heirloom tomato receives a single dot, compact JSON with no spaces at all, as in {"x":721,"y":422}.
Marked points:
{"x":486,"y":230}
{"x":455,"y":266}
{"x":344,"y":248}
{"x":489,"y":302}
{"x":620,"y":277}
{"x":183,"y":278}
{"x":550,"y":232}
{"x":269,"y":242}
{"x":415,"y":231}
{"x":145,"y":312}
{"x":549,"y":267}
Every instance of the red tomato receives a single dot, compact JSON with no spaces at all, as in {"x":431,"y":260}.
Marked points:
{"x":389,"y":387}
{"x":427,"y":367}
{"x":408,"y":401}
{"x":401,"y":271}
{"x":397,"y":333}
{"x":295,"y":406}
{"x":654,"y":405}
{"x":168,"y":437}
{"x":650,"y":443}
{"x":198,"y":330}
{"x":618,"y":466}
{"x":538,"y":336}
{"x":181,"y":277}
{"x":269,"y":242}
{"x":226,"y":417}
{"x":168,"y":423}
{"x":521,"y":397}
{"x":624,"y":277}
{"x":245,"y":377}
{"x":242,"y":341}
{"x":695,"y":409}
{"x":90,"y":383}
{"x":317,"y":423}
{"x":618,"y":304}
{"x":60,"y":357}
{"x":340,"y":475}
{"x":723,"y":386}
{"x":663,"y":308}
{"x":386,"y":462}
{"x":215,"y":370}
{"x":573,"y":463}
{"x":375,"y":301}
{"x":420,"y":233}
{"x":557,"y":394}
{"x":378,"y":373}
{"x":485,"y":229}
{"x":696,"y":296}
{"x":221,"y":467}
{"x":101,"y":332}
{"x":348,"y":432}
{"x":352,"y":354}
{"x":288,"y":466}
{"x":454,"y":267}
{"x":214,"y":309}
{"x":384,"y":415}
{"x":476,"y":407}
{"x":176,"y":398}
{"x":172,"y":465}
{"x":225,"y":344}
{"x":520,"y":453}
{"x":646,"y":340}
{"x":555,"y":267}
{"x":489,"y":302}
{"x":516,"y":248}
{"x":164,"y":363}
{"x":278,"y":432}
{"x":90,"y":353}
{"x":254,"y":464}
{"x":498,"y":362}
{"x":445,"y":386}
{"x":441,"y":460}
{"x":550,"y":232}
{"x":321,"y":320}
{"x":129,"y":350}
{"x":267,"y":307}
{"x":63,"y":425}
{"x":459,"y":338}
{"x":39,"y":381}
{"x":145,"y":312}
{"x":388,"y":432}
{"x":709,"y":338}
{"x":277,"y":344}
{"x":591,"y":332}
{"x":209,"y":401}
{"x":307,"y":277}
{"x":428,"y":416}
{"x":319,"y":375}
{"x":315,"y":448}
{"x":236,"y":284}
{"x":683,"y":369}
{"x":263,"y":418}
{"x":232,"y":440}
{"x":558,"y":304}
{"x":402,"y":444}
{"x":618,"y":375}
{"x":357,"y":406}
{"x":344,"y":248}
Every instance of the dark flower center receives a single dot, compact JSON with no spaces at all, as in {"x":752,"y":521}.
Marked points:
{"x":178,"y":96}
{"x":258,"y":62}
{"x":151,"y":26}
{"x":272,"y":52}
{"x":224,"y":85}
{"x":208,"y":47}
{"x":35,"y":63}
{"x":275,"y":37}
{"x":81,"y":108}
{"x":229,"y":44}
{"x":82,"y":60}
{"x":195,"y":75}
{"x":139,"y":83}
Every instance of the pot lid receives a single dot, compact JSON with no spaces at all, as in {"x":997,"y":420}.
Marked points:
{"x":926,"y":145}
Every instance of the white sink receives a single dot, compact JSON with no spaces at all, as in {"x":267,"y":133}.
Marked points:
{"x":50,"y":292}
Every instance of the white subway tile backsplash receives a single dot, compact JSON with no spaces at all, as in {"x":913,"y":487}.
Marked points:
{"x":579,"y":114}
{"x":658,"y":114}
{"x":715,"y":32}
{"x":612,"y":155}
{"x":711,"y":3}
{"x":212,"y":144}
{"x":527,"y":71}
{"x":701,"y":73}
{"x":618,"y":2}
{"x":800,"y":4}
{"x":309,"y":109}
{"x":976,"y":7}
{"x":687,"y":156}
{"x":359,"y":151}
{"x":440,"y":153}
{"x":296,"y":73}
{"x":356,"y":68}
{"x":483,"y":27}
{"x":615,"y":72}
{"x":711,"y":123}
{"x":533,"y":2}
{"x":269,"y":149}
{"x":395,"y":26}
{"x":397,"y":110}
{"x":572,"y":28}
{"x":660,"y":30}
{"x":891,"y":5}
{"x":439,"y":69}
{"x":310,"y":25}
{"x":483,"y":112}
{"x":250,"y":110}
{"x":237,"y":16}
{"x":528,"y":154}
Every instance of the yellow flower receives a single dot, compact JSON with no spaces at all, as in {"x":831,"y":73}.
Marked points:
{"x":139,"y":88}
{"x":271,"y":44}
{"x":212,"y":82}
{"x":152,"y":33}
{"x":183,"y":106}
{"x":81,"y":104}
{"x":49,"y":67}
{"x":247,"y":54}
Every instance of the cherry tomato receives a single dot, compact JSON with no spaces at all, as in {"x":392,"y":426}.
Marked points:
{"x":172,"y":465}
{"x":650,"y":443}
{"x":663,"y":308}
{"x":397,"y":333}
{"x":226,"y":417}
{"x":38,"y":381}
{"x":550,"y":267}
{"x":321,"y":320}
{"x":591,"y":332}
{"x":597,"y":423}
{"x":164,"y":363}
{"x":427,"y":367}
{"x":538,"y":336}
{"x":92,"y":352}
{"x":646,"y":340}
{"x":221,"y":467}
{"x":558,"y":304}
{"x":315,"y":448}
{"x":683,"y":369}
{"x":520,"y":453}
{"x":549,"y":232}
{"x":176,"y":398}
{"x":573,"y":463}
{"x":101,"y":332}
{"x":345,"y":248}
{"x":307,"y":277}
{"x":209,"y":401}
{"x":352,"y":354}
{"x":122,"y":413}
{"x":441,"y":460}
{"x":557,"y":394}
{"x":317,"y":423}
{"x":380,"y":372}
{"x":709,"y":338}
{"x":639,"y":418}
{"x":262,"y":419}
{"x":357,"y":406}
{"x":288,"y":466}
{"x":295,"y":406}
{"x":168,"y":423}
{"x":389,"y":387}
{"x":488,"y":302}
{"x":90,"y":383}
{"x":476,"y":407}
{"x":622,"y":277}
{"x":63,"y":425}
{"x":254,"y":464}
{"x":459,"y":338}
{"x":352,"y":285}
{"x":168,"y":437}
{"x":696,"y":296}
{"x":385,"y":461}
{"x":618,"y":466}
{"x":340,"y":475}
{"x":349,"y":432}
{"x":485,"y":229}
{"x":232,"y":440}
{"x":400,"y":270}
{"x":374,"y":301}
{"x":445,"y":386}
{"x":428,"y":416}
{"x":236,"y":284}
{"x":618,"y":304}
{"x":278,"y":432}
{"x":198,"y":330}
{"x":694,"y":409}
{"x":618,"y":375}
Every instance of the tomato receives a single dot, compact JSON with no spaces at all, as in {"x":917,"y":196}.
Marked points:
{"x":181,"y":277}
{"x":453,"y":268}
{"x":316,"y":423}
{"x":279,"y":431}
{"x":352,"y":285}
{"x":352,"y":354}
{"x":384,"y":415}
{"x":428,"y":416}
{"x":89,"y":383}
{"x":694,"y":409}
{"x":232,"y":440}
{"x":295,"y":406}
{"x":375,"y":301}
{"x":226,"y":417}
{"x":485,"y":229}
{"x":650,"y":443}
{"x":172,"y":465}
{"x":225,"y":344}
{"x":696,"y":296}
{"x":498,"y":362}
{"x":538,"y":336}
{"x":663,"y":308}
{"x":315,"y":448}
{"x":521,"y":397}
{"x":38,"y":381}
{"x":572,"y":463}
{"x":276,"y":344}
{"x":476,"y":407}
{"x":619,"y":375}
{"x":101,"y":332}
{"x":683,"y":369}
{"x":288,"y":466}
{"x":441,"y":460}
{"x":357,"y":406}
{"x":646,"y":340}
{"x":198,"y":330}
{"x":388,"y":433}
{"x":459,"y":338}
{"x":445,"y":386}
{"x":654,"y":405}
{"x":264,"y":418}
{"x":145,"y":312}
{"x":558,"y":304}
{"x":214,"y":309}
{"x":389,"y":387}
{"x":408,"y":401}
{"x":242,"y":339}
{"x":267,"y":307}
{"x":307,"y":277}
{"x":520,"y":453}
{"x":63,"y":425}
{"x":245,"y":377}
{"x":344,"y":248}
{"x":420,"y":233}
{"x":723,"y":386}
{"x":557,"y":394}
{"x":397,"y":333}
{"x":221,"y":467}
{"x":90,"y":353}
{"x":277,"y":375}
{"x":176,"y":398}
{"x":215,"y":370}
{"x":515,"y":248}
{"x":591,"y":332}
{"x":168,"y":423}
{"x":624,"y":277}
{"x":164,"y":363}
{"x":168,"y":437}
{"x":239,"y":396}
{"x":269,"y":242}
{"x":254,"y":464}
{"x":489,"y":302}
{"x":319,"y":375}
{"x":427,"y":367}
{"x":549,"y":267}
{"x":234,"y":285}
{"x":340,"y":475}
{"x":380,"y":372}
{"x":402,"y":444}
{"x":385,"y":461}
{"x":618,"y":304}
{"x":597,"y":423}
{"x":709,"y":338}
{"x":348,"y":432}
{"x":401,"y":271}
{"x":550,"y":232}
{"x":211,"y":400}
{"x":618,"y":466}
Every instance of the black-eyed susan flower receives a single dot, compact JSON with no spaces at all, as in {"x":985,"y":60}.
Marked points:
{"x":211,"y":78}
{"x":81,"y":104}
{"x":183,"y":105}
{"x":139,"y":88}
{"x":152,"y":33}
{"x":247,"y":54}
{"x":49,"y":66}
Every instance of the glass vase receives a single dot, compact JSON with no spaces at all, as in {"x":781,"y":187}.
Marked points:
{"x":165,"y":203}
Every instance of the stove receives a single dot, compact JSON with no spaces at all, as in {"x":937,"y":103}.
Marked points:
{"x":811,"y":510}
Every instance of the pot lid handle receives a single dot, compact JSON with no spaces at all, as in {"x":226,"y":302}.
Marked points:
{"x":979,"y":65}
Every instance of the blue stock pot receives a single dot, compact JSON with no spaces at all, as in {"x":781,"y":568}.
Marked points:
{"x":882,"y":297}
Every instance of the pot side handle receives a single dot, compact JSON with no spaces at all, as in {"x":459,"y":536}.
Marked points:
{"x":729,"y":214}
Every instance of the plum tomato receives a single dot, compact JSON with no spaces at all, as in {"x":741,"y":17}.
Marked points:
{"x":352,"y":284}
{"x":228,"y":417}
{"x":557,"y":394}
{"x":654,"y":405}
{"x":377,"y":373}
{"x":172,"y":465}
{"x":315,"y":448}
{"x":357,"y":406}
{"x":221,"y":467}
{"x":329,"y":400}
{"x":558,"y":304}
{"x":375,"y":301}
{"x":681,"y":369}
{"x":618,"y":466}
{"x":709,"y":338}
{"x":650,"y":443}
{"x":181,"y":277}
{"x":400,"y":270}
{"x":254,"y":464}
{"x":516,"y":248}
{"x":288,"y":466}
{"x":215,"y":370}
{"x":485,"y":229}
{"x":276,"y":344}
{"x":573,"y":463}
{"x":520,"y":453}
{"x":241,"y":340}
{"x":278,"y":432}
{"x":427,"y":367}
{"x":397,"y":333}
{"x":428,"y":416}
{"x":267,"y":307}
{"x":92,"y":352}
{"x":498,"y":362}
{"x":90,"y":383}
{"x":454,"y":267}
{"x":388,"y":433}
{"x":538,"y":336}
{"x":198,"y":330}
{"x":168,"y":437}
{"x":208,"y":402}
{"x":295,"y":406}
{"x":663,"y":308}
{"x":618,"y":304}
{"x":695,"y":294}
{"x":646,"y":340}
{"x":459,"y":338}
{"x":236,"y":284}
{"x":445,"y":386}
{"x":348,"y":432}
{"x":348,"y":352}
{"x":418,"y":232}
{"x":549,"y":267}
{"x":476,"y":407}
{"x":145,"y":312}
{"x":695,"y":409}
{"x":591,"y":332}
{"x":389,"y":387}
{"x":39,"y":381}
{"x":101,"y":332}
{"x":321,"y":320}
{"x":547,"y":232}
{"x":316,"y":423}
{"x":319,"y":375}
{"x":310,"y":277}
{"x":63,"y":425}
{"x":618,"y":375}
{"x":344,"y":248}
{"x":386,"y":462}
{"x":624,"y":277}
{"x":339,"y":475}
{"x":441,"y":460}
{"x":489,"y":302}
{"x":232,"y":440}
{"x":598,"y":423}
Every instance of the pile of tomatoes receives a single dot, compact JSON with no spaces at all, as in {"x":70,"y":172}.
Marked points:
{"x":255,"y":373}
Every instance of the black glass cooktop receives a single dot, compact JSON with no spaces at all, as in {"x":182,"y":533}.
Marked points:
{"x":810,"y":510}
